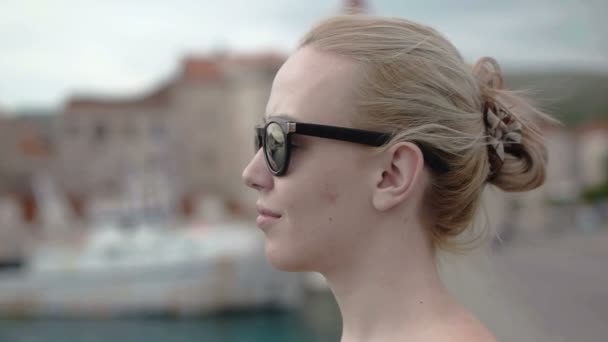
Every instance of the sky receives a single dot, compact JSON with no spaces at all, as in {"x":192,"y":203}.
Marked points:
{"x":51,"y":49}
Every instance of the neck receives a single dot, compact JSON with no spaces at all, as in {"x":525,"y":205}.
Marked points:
{"x":391,"y":287}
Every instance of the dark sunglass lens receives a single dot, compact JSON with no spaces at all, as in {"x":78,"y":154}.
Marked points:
{"x":276,"y":147}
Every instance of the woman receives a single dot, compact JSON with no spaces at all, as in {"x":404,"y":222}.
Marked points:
{"x":377,"y":143}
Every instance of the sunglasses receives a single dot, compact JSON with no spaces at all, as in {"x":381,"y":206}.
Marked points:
{"x":275,"y":138}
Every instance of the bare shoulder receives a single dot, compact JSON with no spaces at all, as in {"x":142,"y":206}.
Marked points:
{"x":472,"y":332}
{"x":461,"y":328}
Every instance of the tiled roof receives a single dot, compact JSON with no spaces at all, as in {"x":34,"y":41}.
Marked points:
{"x":31,"y":143}
{"x":355,"y":6}
{"x":193,"y":68}
{"x":26,"y":136}
{"x":200,"y":68}
{"x":157,"y":98}
{"x":259,"y":59}
{"x":210,"y":67}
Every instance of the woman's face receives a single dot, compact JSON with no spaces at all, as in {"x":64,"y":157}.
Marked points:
{"x":323,"y":202}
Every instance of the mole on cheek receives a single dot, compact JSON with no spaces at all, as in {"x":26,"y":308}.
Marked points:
{"x":329,"y":194}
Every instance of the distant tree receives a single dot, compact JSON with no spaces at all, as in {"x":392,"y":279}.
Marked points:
{"x":598,"y":192}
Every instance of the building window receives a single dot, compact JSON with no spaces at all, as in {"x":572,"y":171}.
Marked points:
{"x":100,"y":132}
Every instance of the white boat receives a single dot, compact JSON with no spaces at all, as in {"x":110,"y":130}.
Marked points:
{"x":150,"y":270}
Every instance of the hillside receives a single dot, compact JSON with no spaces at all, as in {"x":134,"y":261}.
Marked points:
{"x":573,"y":97}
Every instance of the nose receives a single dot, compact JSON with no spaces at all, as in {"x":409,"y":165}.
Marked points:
{"x":256,"y":174}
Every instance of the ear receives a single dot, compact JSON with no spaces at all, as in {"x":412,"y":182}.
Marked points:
{"x":400,"y":171}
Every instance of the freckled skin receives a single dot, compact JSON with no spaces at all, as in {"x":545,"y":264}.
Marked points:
{"x":329,"y":194}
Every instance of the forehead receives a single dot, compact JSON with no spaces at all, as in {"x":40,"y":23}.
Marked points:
{"x":314,"y":86}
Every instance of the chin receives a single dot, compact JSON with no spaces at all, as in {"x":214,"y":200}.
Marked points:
{"x":285,"y":260}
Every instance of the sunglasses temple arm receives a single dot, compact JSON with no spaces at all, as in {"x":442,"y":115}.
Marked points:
{"x":344,"y":134}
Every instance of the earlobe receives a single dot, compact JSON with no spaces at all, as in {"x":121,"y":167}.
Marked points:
{"x":395,"y":180}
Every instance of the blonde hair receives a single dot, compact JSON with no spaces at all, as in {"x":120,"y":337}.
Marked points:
{"x":415,"y":84}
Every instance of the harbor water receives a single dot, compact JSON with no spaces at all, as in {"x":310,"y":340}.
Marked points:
{"x":317,"y":321}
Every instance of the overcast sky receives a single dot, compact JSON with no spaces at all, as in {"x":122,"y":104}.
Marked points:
{"x":50,"y":49}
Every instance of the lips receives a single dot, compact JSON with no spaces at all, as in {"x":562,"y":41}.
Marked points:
{"x":266,"y":217}
{"x":267,"y":212}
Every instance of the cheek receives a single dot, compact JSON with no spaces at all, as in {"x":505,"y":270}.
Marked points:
{"x":329,"y":194}
{"x":329,"y":205}
{"x":319,"y":226}
{"x":316,"y":205}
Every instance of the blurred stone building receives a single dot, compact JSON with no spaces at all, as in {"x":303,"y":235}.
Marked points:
{"x":172,"y":148}
{"x":593,"y":151}
{"x":110,"y":149}
{"x":578,"y":158}
{"x":26,"y":154}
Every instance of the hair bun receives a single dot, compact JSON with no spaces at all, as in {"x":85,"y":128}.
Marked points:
{"x":516,"y":151}
{"x":504,"y":131}
{"x":488,"y":73}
